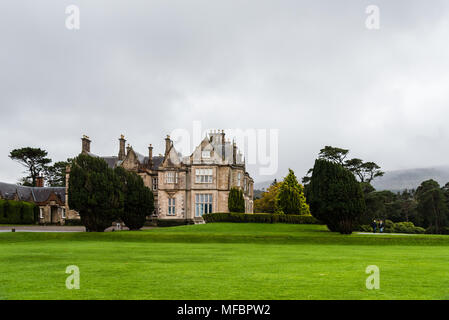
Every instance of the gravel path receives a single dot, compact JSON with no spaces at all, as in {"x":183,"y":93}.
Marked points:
{"x":38,"y":228}
{"x":386,"y":234}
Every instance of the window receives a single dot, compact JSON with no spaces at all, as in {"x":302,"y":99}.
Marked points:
{"x":155,"y":183}
{"x":171,"y":177}
{"x":203,"y":204}
{"x":205,"y":154}
{"x":239,"y":176}
{"x":41,"y":213}
{"x":203,"y":175}
{"x":171,"y":206}
{"x":63,"y":213}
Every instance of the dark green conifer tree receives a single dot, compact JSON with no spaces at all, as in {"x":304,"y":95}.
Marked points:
{"x":138,"y":199}
{"x":94,"y":191}
{"x":236,"y":202}
{"x":335,"y":196}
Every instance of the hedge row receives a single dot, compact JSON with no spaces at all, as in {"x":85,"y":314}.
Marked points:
{"x":172,"y":222}
{"x":398,"y":227}
{"x":18,"y":212}
{"x":73,"y":222}
{"x":260,"y":218}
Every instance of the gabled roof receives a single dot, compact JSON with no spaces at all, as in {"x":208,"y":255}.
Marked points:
{"x":114,"y":162}
{"x":172,"y":158}
{"x":36,"y":194}
{"x":215,"y":142}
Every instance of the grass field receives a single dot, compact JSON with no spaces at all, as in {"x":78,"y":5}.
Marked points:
{"x":223,"y":261}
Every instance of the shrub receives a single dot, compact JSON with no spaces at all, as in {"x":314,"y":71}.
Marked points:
{"x":398,"y":227}
{"x":27,"y":212}
{"x":236,"y":202}
{"x":259,"y":218}
{"x":73,"y":222}
{"x":17,"y":212}
{"x":364,"y":228}
{"x":172,"y":222}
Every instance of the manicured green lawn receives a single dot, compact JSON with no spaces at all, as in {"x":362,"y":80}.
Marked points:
{"x":223,"y":261}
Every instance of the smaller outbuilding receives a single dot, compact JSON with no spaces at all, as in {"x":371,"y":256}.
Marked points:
{"x":51,"y":201}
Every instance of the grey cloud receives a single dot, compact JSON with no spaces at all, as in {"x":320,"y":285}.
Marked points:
{"x":308,"y":68}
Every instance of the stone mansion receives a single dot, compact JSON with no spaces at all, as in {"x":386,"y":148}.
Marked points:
{"x":187,"y":187}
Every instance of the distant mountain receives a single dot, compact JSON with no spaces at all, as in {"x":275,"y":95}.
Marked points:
{"x":263,"y":185}
{"x":398,"y":180}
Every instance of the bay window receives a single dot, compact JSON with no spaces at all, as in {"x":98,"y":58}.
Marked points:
{"x":203,"y":204}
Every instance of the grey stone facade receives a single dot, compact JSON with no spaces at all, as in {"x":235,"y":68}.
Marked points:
{"x":187,"y":187}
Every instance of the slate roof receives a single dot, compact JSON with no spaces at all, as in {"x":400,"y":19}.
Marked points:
{"x":36,"y":194}
{"x":114,"y":162}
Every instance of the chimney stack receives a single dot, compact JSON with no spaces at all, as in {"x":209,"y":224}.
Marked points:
{"x":167,"y":144}
{"x":223,"y":145}
{"x":85,"y":146}
{"x":121,"y":152}
{"x":150,"y":156}
{"x":234,"y":153}
{"x":39,"y":182}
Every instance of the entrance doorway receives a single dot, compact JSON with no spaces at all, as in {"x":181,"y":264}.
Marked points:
{"x":54,"y":215}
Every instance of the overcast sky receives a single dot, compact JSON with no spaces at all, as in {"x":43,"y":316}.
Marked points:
{"x":308,"y":68}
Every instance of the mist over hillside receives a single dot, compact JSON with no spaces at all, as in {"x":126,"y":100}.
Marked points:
{"x":396,"y":180}
{"x":411,"y":178}
{"x":262,"y":185}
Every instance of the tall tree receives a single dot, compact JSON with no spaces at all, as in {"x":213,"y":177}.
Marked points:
{"x":433,"y":213}
{"x":267,"y":203}
{"x":56,"y":173}
{"x":95,"y":192}
{"x":445,"y":190}
{"x":355,"y":166}
{"x":138,"y":199}
{"x":335,"y":196}
{"x":370,"y":170}
{"x":364,"y":171}
{"x":333,"y":154}
{"x":33,"y":159}
{"x":290,"y":198}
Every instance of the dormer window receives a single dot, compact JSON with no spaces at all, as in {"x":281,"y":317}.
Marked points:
{"x":205,"y":154}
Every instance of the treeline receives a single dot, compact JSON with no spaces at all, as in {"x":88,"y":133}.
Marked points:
{"x":339,"y":193}
{"x":102,"y":195}
{"x":426,"y":207}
